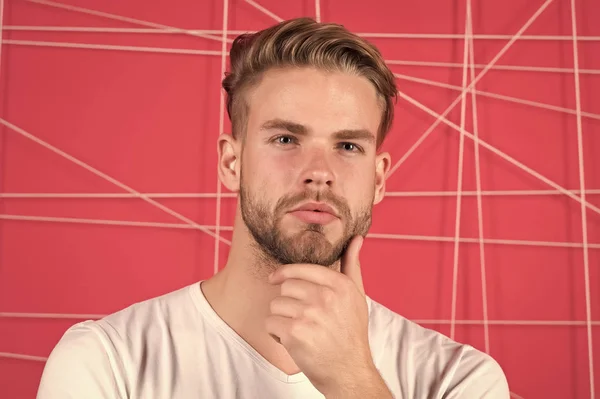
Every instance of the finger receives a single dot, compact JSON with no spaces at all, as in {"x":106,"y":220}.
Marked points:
{"x":302,"y":290}
{"x":286,"y":307}
{"x":350,"y":265}
{"x":278,"y":327}
{"x":316,"y":274}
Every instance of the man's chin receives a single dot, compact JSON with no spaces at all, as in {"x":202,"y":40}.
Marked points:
{"x":313,"y":237}
{"x":313,"y":247}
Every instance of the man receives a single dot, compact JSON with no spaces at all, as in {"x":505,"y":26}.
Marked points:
{"x":287,"y":317}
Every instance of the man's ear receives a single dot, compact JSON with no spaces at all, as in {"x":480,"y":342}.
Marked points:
{"x":382,"y":167}
{"x":228,"y":149}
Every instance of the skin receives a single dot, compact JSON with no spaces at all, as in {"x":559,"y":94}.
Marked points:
{"x":311,"y":136}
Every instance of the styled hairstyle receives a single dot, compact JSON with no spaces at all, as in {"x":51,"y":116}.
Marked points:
{"x":303,"y":42}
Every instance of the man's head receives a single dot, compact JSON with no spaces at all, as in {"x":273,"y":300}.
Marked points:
{"x":310,"y":104}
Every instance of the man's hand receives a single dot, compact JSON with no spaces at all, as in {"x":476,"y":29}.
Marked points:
{"x":321,"y":318}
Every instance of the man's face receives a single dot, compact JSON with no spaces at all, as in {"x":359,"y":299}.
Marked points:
{"x":309,"y":168}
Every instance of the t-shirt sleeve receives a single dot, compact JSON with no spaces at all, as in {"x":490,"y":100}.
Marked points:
{"x":81,"y":365}
{"x":478,"y":377}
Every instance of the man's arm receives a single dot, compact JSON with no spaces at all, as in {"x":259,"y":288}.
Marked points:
{"x":478,"y":376}
{"x":368,"y":384}
{"x":80,"y":366}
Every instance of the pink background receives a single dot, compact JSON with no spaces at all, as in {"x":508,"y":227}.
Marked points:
{"x":150,"y":119}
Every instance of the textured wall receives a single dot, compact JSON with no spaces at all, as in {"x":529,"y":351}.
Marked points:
{"x":96,"y":108}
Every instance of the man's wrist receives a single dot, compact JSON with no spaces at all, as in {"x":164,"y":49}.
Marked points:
{"x":367,"y":385}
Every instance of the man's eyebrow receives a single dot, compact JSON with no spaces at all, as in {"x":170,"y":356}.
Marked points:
{"x":290,"y":126}
{"x":297,"y":128}
{"x":355,"y":134}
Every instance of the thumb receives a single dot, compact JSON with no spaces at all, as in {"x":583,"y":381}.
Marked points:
{"x":350,"y":265}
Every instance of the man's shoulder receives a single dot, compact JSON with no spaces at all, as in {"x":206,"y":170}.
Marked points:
{"x":152,"y":312}
{"x":461,"y":366}
{"x":120,"y":327}
{"x":95,"y":355}
{"x":397,"y":328}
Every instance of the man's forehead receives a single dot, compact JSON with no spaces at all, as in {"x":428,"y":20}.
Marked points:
{"x":309,"y":97}
{"x":311,"y":82}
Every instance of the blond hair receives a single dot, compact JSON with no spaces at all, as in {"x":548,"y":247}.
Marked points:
{"x":302,"y":42}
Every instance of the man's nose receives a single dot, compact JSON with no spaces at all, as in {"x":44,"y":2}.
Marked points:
{"x":318,"y":172}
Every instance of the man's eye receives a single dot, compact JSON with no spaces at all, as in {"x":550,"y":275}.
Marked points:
{"x":285,"y":140}
{"x":350,"y":147}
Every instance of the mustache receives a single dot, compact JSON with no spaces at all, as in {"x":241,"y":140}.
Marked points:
{"x":318,"y":196}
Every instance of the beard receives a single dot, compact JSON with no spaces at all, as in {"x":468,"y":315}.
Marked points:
{"x":309,"y":245}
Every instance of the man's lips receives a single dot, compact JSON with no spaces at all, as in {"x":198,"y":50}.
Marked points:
{"x":315,"y":213}
{"x":316,"y":207}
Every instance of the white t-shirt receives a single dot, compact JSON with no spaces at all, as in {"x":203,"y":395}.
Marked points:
{"x":176,"y":346}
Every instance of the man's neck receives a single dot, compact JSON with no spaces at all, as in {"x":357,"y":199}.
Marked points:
{"x":241,"y":296}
